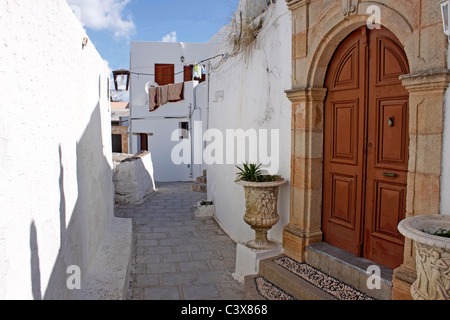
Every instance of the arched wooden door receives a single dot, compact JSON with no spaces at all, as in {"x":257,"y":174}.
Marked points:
{"x":366,"y":145}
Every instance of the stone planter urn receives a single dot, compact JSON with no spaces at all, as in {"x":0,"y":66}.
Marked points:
{"x":261,"y":201}
{"x":432,"y":256}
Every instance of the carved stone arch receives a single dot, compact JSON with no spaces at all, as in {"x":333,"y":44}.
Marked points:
{"x":318,"y":28}
{"x":333,"y":34}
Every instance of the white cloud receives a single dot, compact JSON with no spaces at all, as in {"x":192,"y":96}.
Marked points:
{"x":171,"y":37}
{"x":105,"y":15}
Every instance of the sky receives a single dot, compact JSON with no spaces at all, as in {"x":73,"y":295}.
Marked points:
{"x":112,"y":24}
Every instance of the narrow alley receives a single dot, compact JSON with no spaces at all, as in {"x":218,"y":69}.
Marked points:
{"x":177,"y":256}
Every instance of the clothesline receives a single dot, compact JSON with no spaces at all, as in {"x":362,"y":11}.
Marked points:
{"x":177,"y":73}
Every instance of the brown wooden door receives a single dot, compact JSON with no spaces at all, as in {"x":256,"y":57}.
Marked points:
{"x":144,"y":142}
{"x":366,"y":147}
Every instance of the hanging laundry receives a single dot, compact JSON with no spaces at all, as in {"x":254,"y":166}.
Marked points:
{"x":175,"y":92}
{"x":152,"y":93}
{"x":161,"y":98}
{"x":197,"y":71}
{"x":162,"y":95}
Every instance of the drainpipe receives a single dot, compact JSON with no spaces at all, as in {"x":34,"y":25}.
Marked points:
{"x":191,"y":173}
{"x":191,"y":129}
{"x":130,"y":121}
{"x":208,"y":72}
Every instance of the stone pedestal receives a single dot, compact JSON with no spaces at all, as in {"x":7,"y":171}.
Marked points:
{"x":247,"y":259}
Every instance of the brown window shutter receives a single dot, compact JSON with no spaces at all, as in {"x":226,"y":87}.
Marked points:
{"x":164,"y":74}
{"x":188,"y":71}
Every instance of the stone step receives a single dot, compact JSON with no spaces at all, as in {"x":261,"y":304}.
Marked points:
{"x":199,"y":187}
{"x":289,"y":282}
{"x":258,"y":288}
{"x":350,"y":269}
{"x":250,"y":289}
{"x":201,"y":179}
{"x":305,"y":282}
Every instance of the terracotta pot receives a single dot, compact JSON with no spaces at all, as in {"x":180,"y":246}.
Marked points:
{"x":432,"y":256}
{"x":261,"y":201}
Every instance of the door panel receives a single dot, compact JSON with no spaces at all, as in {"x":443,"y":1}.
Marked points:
{"x":391,"y":133}
{"x":390,"y":203}
{"x":347,"y":76}
{"x":343,"y":201}
{"x":345,"y":132}
{"x":343,"y":145}
{"x":390,"y":61}
{"x":387,"y":152}
{"x":366,"y":147}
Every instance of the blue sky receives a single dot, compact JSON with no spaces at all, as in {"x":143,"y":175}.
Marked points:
{"x":113,"y":24}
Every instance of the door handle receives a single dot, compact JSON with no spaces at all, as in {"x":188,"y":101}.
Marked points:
{"x":391,"y":175}
{"x":391,"y":122}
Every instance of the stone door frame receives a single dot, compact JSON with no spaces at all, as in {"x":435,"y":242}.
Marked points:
{"x":315,"y":36}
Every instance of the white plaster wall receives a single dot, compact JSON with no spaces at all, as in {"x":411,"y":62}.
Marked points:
{"x":253,"y":85}
{"x":445,"y":178}
{"x":56,"y":190}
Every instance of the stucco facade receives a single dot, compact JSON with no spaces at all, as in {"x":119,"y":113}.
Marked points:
{"x":318,"y":27}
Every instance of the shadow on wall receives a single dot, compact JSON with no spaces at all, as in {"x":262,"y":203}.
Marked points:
{"x":89,"y":220}
{"x":35,"y":265}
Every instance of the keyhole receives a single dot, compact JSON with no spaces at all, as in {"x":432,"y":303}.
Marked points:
{"x":391,"y":121}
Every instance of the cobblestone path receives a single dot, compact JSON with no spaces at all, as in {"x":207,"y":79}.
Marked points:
{"x":177,"y":256}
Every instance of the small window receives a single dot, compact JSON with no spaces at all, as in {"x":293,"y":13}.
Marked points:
{"x":184,"y":130}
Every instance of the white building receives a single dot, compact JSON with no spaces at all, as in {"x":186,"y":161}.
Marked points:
{"x":168,"y":63}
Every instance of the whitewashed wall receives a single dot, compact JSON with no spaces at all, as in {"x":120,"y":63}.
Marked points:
{"x":56,"y":190}
{"x":445,"y":178}
{"x":253,"y":85}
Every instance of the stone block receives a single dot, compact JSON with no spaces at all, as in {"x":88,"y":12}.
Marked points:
{"x":426,"y":194}
{"x":428,"y":156}
{"x":133,"y":178}
{"x":199,"y":187}
{"x":300,"y":45}
{"x":307,"y":144}
{"x":205,"y":209}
